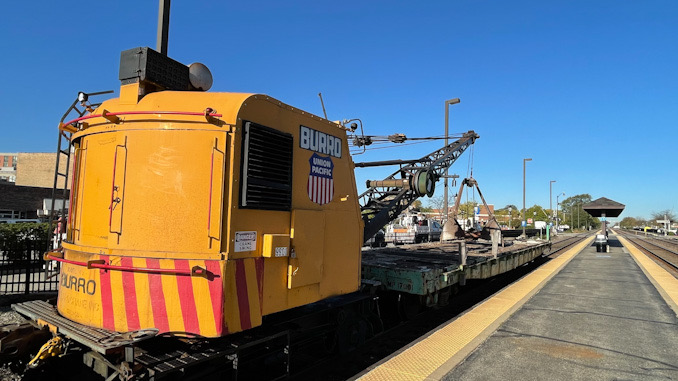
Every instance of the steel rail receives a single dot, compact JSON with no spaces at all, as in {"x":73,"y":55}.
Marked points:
{"x":638,"y":242}
{"x":567,"y":243}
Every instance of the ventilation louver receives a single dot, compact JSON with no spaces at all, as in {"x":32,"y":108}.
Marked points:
{"x":266,"y":168}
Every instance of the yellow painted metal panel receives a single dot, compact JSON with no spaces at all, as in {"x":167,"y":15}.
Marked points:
{"x":118,"y":297}
{"x":216,"y":200}
{"x":276,"y":245}
{"x":342,"y":254}
{"x":170,"y":289}
{"x":308,"y":242}
{"x":129,"y":94}
{"x":96,"y":176}
{"x":117,"y":203}
{"x":79,"y":156}
{"x":203,"y":302}
{"x":254,"y":303}
{"x":164,"y":192}
{"x":299,"y":296}
{"x":274,"y":114}
{"x":79,"y":306}
{"x":231,"y":310}
{"x":275,"y":285}
{"x":143,"y":294}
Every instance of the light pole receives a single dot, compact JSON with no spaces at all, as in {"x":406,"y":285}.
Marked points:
{"x":551,"y":197}
{"x":563,"y":194}
{"x":448,"y":102}
{"x":524,"y":220}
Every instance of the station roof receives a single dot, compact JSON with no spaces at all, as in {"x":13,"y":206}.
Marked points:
{"x":605,"y":206}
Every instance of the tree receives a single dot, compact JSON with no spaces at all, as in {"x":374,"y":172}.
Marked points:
{"x":664,"y":214}
{"x":466,"y":209}
{"x":417,"y":204}
{"x":512,"y":220}
{"x":439,"y":204}
{"x":18,"y":240}
{"x":537,"y":213}
{"x":630,"y":223}
{"x":573,"y":214}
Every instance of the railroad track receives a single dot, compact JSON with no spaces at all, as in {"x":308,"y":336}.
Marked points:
{"x":560,"y":246}
{"x":664,"y":252}
{"x":345,"y":366}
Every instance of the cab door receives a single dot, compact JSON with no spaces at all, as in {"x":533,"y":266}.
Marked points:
{"x":308,"y":243}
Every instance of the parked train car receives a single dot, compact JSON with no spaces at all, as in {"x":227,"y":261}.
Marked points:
{"x":202,"y":212}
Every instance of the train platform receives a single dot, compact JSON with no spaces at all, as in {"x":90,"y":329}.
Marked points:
{"x":582,"y":315}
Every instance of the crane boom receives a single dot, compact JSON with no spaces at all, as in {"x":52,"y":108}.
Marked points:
{"x":384,"y":200}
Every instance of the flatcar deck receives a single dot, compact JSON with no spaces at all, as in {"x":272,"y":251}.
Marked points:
{"x":426,"y":268}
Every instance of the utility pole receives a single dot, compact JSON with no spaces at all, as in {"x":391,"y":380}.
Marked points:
{"x":163,"y":26}
{"x":447,"y":134}
{"x":551,"y":197}
{"x":524,"y":222}
{"x":558,"y":203}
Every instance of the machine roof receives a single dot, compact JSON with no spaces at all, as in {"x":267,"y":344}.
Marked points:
{"x":605,"y":206}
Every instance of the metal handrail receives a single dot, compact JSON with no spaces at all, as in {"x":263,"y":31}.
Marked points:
{"x":207,"y":113}
{"x":101,"y":264}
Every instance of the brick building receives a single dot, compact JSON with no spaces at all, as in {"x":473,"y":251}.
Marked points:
{"x":36,"y":169}
{"x":483,"y":216}
{"x":26,"y":181}
{"x":20,"y":202}
{"x":8,"y":167}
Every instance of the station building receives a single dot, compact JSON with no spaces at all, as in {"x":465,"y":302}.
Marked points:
{"x":26,"y":180}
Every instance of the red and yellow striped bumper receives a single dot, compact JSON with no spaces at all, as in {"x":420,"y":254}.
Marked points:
{"x":227,"y":299}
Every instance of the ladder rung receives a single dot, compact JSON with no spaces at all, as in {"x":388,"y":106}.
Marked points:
{"x":67,"y":153}
{"x":61,"y":174}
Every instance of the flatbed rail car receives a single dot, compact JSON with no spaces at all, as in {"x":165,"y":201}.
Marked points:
{"x":429,"y":271}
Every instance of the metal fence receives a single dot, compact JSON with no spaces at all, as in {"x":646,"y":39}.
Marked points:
{"x":23,"y":271}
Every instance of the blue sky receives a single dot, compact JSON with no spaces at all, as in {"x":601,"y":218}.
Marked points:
{"x":587,"y":89}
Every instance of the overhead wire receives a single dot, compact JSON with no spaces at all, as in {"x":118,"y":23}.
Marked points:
{"x":393,"y":146}
{"x":384,"y":140}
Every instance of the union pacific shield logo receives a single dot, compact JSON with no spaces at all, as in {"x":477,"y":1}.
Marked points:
{"x":320,"y":182}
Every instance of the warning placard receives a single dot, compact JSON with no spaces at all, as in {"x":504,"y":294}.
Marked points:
{"x":245,"y":241}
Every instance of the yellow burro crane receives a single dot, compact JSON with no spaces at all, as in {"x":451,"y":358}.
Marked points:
{"x":200,"y":214}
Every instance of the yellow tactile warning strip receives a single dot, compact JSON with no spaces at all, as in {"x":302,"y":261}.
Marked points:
{"x":666,"y":284}
{"x":436,"y":354}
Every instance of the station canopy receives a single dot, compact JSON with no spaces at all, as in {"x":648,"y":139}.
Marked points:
{"x":603,"y":206}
